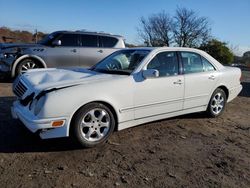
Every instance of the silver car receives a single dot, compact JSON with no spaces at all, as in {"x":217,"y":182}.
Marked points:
{"x":60,"y":49}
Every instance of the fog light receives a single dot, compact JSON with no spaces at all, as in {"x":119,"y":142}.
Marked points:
{"x":57,"y":123}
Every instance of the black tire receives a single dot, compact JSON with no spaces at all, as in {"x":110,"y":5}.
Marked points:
{"x":80,"y":133}
{"x":213,"y":105}
{"x":29,"y":63}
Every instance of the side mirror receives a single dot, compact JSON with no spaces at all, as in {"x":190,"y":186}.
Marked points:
{"x":150,"y":73}
{"x":57,"y":43}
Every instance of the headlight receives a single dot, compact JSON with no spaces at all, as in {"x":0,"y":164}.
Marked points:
{"x":7,"y":55}
{"x":4,"y":67}
{"x":36,"y":105}
{"x":39,"y":105}
{"x":32,"y":105}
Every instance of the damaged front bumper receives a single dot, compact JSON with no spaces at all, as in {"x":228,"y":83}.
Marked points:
{"x":43,"y":126}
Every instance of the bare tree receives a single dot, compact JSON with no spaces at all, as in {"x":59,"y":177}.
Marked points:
{"x":156,"y":29}
{"x":189,"y":29}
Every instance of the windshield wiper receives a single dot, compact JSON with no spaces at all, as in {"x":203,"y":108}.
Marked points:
{"x":121,"y":72}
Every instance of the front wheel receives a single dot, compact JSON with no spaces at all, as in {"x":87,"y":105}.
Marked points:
{"x":93,"y":124}
{"x":26,"y":65}
{"x":217,"y":103}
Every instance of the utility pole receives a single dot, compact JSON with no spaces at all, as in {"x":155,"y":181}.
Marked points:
{"x":36,"y":35}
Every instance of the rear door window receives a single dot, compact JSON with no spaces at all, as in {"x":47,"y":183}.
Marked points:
{"x":191,"y":62}
{"x":89,"y":40}
{"x":108,"y":42}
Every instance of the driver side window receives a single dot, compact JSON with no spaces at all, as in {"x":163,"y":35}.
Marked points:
{"x":166,"y":63}
{"x":69,"y":40}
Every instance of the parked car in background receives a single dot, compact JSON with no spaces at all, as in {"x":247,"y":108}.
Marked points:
{"x":4,"y":45}
{"x":128,"y":88}
{"x":60,"y":49}
{"x":243,"y":67}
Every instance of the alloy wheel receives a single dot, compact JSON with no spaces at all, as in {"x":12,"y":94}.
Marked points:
{"x":28,"y":65}
{"x":95,"y":124}
{"x":217,"y":103}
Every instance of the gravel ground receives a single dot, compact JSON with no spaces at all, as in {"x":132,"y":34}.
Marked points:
{"x":186,"y":151}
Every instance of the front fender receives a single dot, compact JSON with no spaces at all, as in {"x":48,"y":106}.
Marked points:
{"x":67,"y":102}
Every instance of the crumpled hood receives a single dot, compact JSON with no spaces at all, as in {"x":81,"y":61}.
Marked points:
{"x":19,"y":48}
{"x":19,"y":45}
{"x":45,"y":79}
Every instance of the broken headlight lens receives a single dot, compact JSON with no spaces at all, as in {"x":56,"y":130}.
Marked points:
{"x":36,"y":105}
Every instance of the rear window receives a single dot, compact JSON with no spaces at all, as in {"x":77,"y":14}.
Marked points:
{"x":108,"y":42}
{"x":89,"y":40}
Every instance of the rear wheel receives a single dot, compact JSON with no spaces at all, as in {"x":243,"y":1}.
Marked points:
{"x":217,"y":103}
{"x":93,"y":124}
{"x":25,"y":65}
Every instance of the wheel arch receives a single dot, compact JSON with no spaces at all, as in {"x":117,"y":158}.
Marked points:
{"x":97,"y":101}
{"x":225,"y":89}
{"x":21,"y":58}
{"x":209,"y":110}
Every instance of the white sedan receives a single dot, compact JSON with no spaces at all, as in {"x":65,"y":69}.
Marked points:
{"x":128,"y":88}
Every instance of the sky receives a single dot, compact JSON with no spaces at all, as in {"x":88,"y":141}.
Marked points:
{"x":230,"y":19}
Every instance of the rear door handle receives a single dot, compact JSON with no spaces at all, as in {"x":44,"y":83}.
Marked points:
{"x":179,"y":82}
{"x":74,"y":50}
{"x":211,"y":77}
{"x":100,"y":51}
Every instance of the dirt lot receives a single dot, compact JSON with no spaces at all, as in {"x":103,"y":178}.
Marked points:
{"x":187,"y":151}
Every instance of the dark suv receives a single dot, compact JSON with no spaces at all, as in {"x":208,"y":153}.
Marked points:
{"x":60,"y":49}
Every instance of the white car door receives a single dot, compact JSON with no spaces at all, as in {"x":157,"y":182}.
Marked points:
{"x":199,"y":80}
{"x":160,"y":95}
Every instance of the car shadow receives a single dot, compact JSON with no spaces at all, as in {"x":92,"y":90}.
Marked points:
{"x":15,"y":138}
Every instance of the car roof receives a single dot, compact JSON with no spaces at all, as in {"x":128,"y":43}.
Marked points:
{"x":159,"y":49}
{"x":156,"y":49}
{"x":90,"y":33}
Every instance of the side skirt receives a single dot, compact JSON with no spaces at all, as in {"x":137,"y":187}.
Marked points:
{"x":132,"y":123}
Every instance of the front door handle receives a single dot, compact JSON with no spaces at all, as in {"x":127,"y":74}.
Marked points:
{"x":211,"y":77}
{"x":100,"y":51}
{"x":179,"y":82}
{"x":74,"y":50}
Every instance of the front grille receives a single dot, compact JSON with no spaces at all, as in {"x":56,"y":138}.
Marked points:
{"x":19,"y":89}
